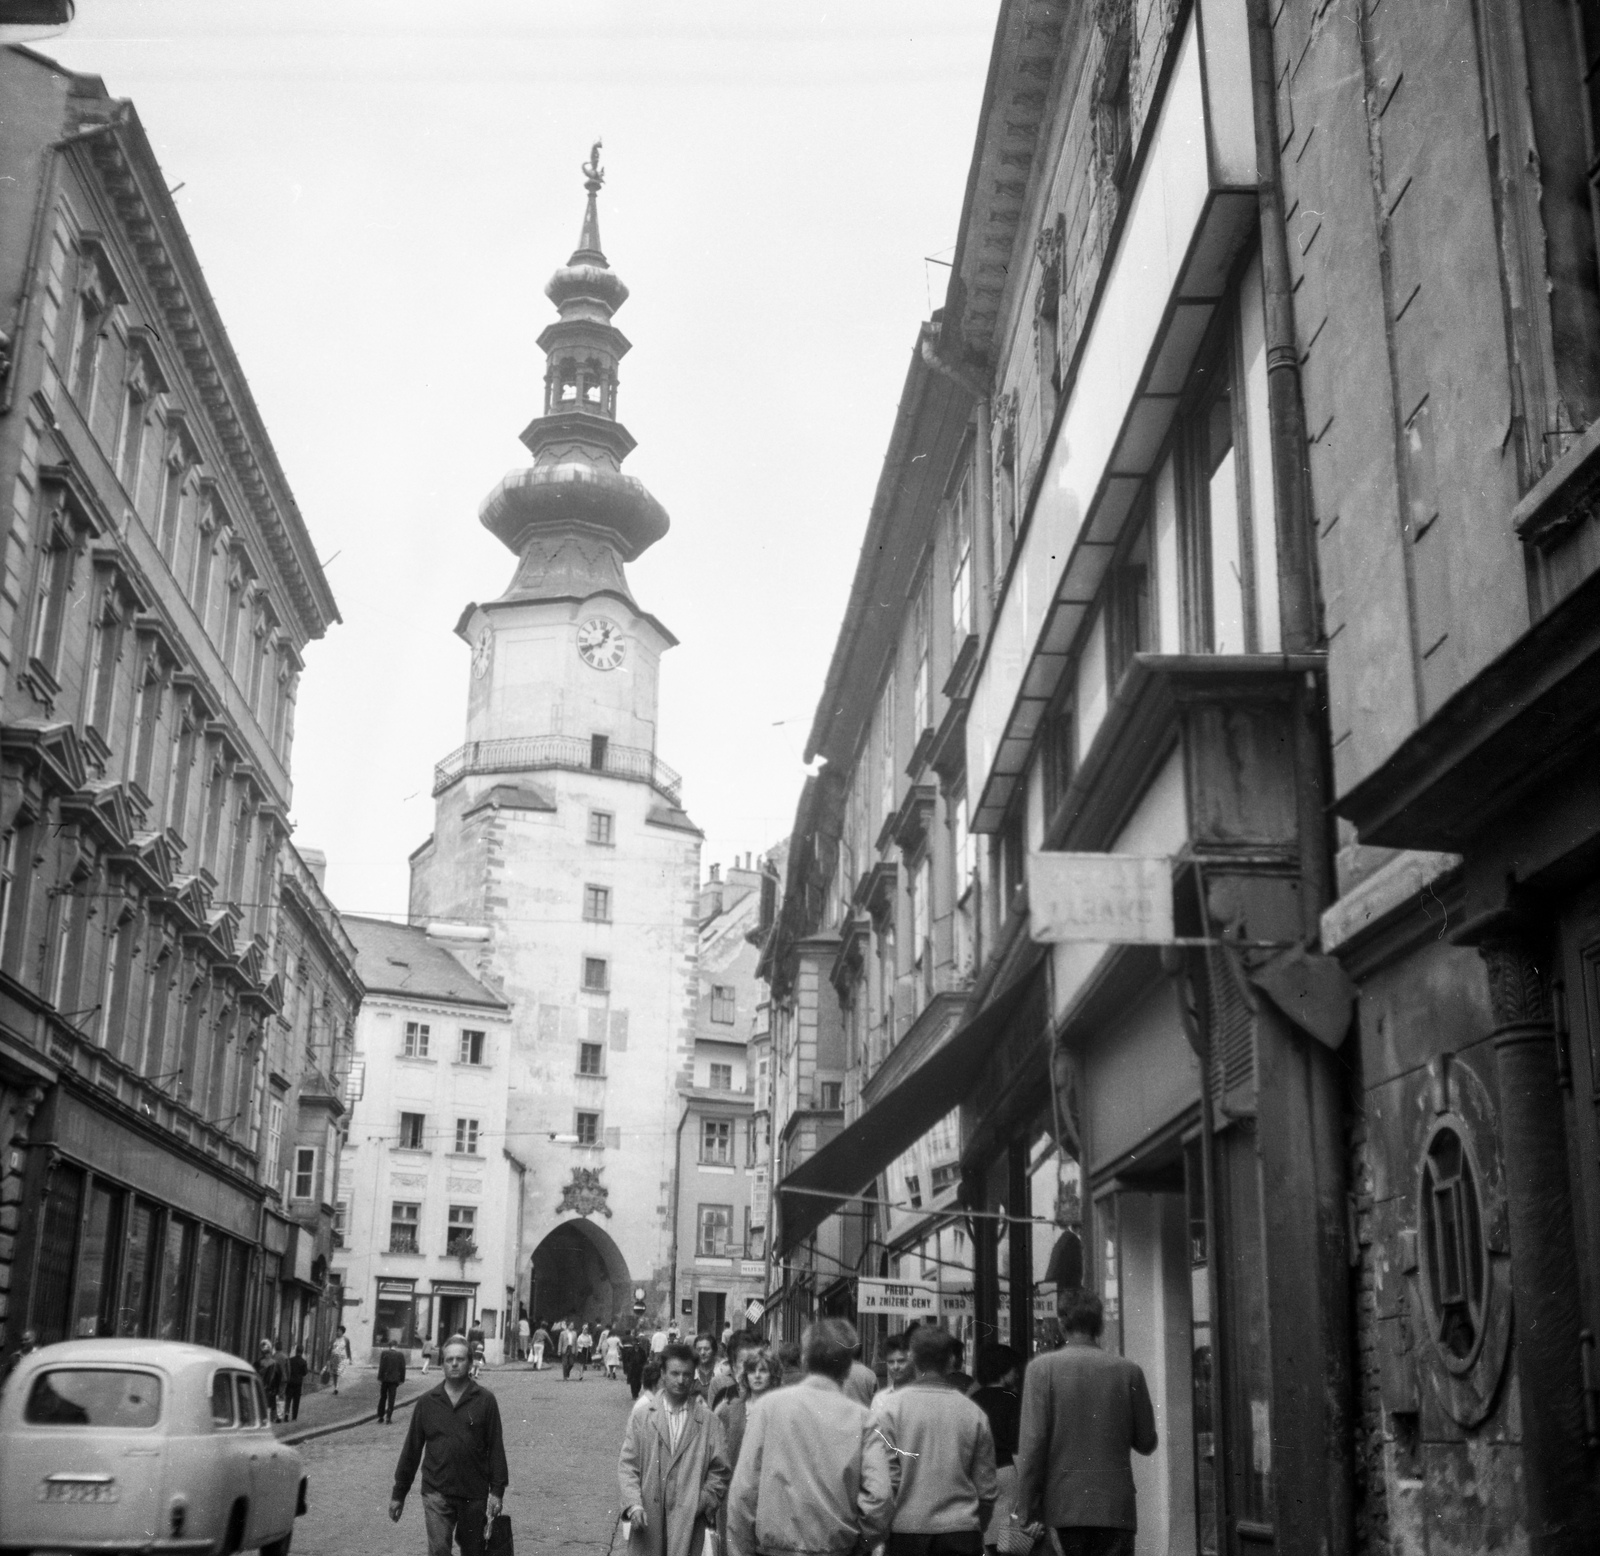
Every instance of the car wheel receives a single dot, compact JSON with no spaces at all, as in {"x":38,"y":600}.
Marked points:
{"x":278,"y":1547}
{"x":235,"y":1535}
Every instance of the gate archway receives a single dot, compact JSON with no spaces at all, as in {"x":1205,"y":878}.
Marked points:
{"x":578,"y":1271}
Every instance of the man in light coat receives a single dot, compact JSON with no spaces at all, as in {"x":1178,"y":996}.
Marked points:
{"x":813,"y":1473}
{"x":1083,"y":1411}
{"x":673,"y":1471}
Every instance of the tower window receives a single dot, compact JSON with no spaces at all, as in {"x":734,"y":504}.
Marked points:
{"x":722,"y":1077}
{"x":716,"y":1141}
{"x":830,"y":1096}
{"x":597,"y":904}
{"x":723,"y":1003}
{"x":587,"y":1128}
{"x":599,"y":747}
{"x":596,"y":974}
{"x":602,"y":828}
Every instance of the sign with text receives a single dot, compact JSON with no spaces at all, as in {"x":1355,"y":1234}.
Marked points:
{"x":752,"y":1314}
{"x":1110,"y":899}
{"x":956,"y":1304}
{"x":897,"y":1298}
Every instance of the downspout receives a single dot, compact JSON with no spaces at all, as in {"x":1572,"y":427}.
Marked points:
{"x":677,"y":1205}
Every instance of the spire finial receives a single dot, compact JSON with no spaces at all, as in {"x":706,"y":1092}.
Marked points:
{"x":589,"y":239}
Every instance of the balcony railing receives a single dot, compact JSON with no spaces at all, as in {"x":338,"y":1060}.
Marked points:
{"x":532,"y":753}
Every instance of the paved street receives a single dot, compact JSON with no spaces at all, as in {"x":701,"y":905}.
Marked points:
{"x":561,"y":1446}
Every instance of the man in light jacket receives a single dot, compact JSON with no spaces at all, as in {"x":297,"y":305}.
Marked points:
{"x":673,"y":1471}
{"x":1083,"y":1411}
{"x":813,"y":1473}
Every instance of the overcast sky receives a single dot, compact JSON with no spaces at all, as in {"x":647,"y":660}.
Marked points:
{"x":378,"y":191}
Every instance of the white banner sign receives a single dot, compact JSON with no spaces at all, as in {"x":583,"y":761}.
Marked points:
{"x":752,"y":1314}
{"x":1111,"y":899}
{"x":956,"y":1304}
{"x":897,"y":1298}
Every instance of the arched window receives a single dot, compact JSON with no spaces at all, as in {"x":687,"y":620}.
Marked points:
{"x":1452,"y":1254}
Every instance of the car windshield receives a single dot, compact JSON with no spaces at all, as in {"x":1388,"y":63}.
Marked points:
{"x":93,"y":1396}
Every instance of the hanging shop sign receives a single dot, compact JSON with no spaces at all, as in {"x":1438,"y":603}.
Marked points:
{"x":1108,"y":899}
{"x":956,"y":1304}
{"x":897,"y":1298}
{"x":753,"y":1313}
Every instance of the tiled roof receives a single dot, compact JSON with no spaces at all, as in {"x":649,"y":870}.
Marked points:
{"x":400,"y":959}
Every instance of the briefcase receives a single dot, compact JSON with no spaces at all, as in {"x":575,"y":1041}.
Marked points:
{"x":499,"y":1541}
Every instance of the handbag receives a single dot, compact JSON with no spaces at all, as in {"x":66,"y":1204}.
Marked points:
{"x":499,"y":1540}
{"x":327,"y":1375}
{"x":1013,"y":1539}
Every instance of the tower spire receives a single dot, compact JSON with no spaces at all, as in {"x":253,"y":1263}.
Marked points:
{"x":588,"y":250}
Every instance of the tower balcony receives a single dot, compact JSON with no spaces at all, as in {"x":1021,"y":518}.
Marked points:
{"x":535,"y":753}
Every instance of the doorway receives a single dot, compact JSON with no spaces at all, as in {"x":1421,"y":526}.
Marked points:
{"x":710,"y":1307}
{"x":454,"y":1316}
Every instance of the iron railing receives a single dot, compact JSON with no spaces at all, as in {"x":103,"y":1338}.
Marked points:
{"x":531,"y":753}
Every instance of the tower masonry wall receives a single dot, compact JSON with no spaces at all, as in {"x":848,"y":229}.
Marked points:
{"x":526,"y":874}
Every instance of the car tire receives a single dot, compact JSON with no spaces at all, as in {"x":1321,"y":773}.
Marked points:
{"x":278,"y":1547}
{"x":234,"y":1538}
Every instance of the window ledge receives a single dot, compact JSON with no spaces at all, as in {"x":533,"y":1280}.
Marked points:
{"x":590,"y":1075}
{"x":409,"y":1150}
{"x":726,"y":1167}
{"x":415,"y":1059}
{"x":464,"y":1156}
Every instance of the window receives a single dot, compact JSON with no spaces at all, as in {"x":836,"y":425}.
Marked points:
{"x":591,"y":1059}
{"x":50,"y":599}
{"x":92,"y":315}
{"x":131,"y":454}
{"x":596,"y":974}
{"x":1453,"y":1244}
{"x":722,"y":1077}
{"x":914,"y":1190}
{"x":587,"y":1128}
{"x":886,"y":748}
{"x":724,"y":1002}
{"x":830,"y":1095}
{"x":599,"y":749}
{"x":305,"y":1172}
{"x":466,"y":1137}
{"x":716,"y":1225}
{"x":961,"y":557}
{"x":945,"y":1177}
{"x":459,"y":1234}
{"x":922,"y":919}
{"x":602,"y":827}
{"x":404,"y":1219}
{"x":1128,"y":621}
{"x":471,"y":1050}
{"x":716,"y":1141}
{"x":341,"y":1217}
{"x":922,"y":681}
{"x":274,"y":1138}
{"x":105,"y":655}
{"x":597,"y":904}
{"x":411,"y":1135}
{"x":416,"y":1045}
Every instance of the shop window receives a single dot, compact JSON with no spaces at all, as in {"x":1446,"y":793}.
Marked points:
{"x":416,"y":1040}
{"x":596,"y":974}
{"x":1452,"y":1247}
{"x":471,"y":1048}
{"x":597,"y":904}
{"x":602,"y":828}
{"x":412,"y":1137}
{"x":715,"y":1228}
{"x":207,"y":1287}
{"x":1128,"y":622}
{"x":405,"y":1219}
{"x":591,"y":1059}
{"x":466,"y":1137}
{"x":586,"y":1126}
{"x":721,"y":1077}
{"x":724,"y":1003}
{"x":716,"y":1141}
{"x":177,"y":1263}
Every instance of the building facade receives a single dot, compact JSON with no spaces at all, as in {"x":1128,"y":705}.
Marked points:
{"x":158,"y":589}
{"x":560,"y":831}
{"x":720,"y":1203}
{"x":430,"y":1188}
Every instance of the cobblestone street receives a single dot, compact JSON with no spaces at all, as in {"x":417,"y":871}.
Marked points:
{"x":562,"y":1441}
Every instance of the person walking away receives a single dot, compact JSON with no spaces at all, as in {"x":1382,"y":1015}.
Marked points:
{"x":613,"y":1355}
{"x":999,"y":1373}
{"x":340,"y":1358}
{"x":567,"y":1347}
{"x":634,"y":1356}
{"x":455,"y":1436}
{"x":270,"y":1372}
{"x":790,"y":1362}
{"x":658,"y":1342}
{"x":813,"y":1472}
{"x":475,"y":1339}
{"x":673,"y":1470}
{"x":391,"y":1374}
{"x":585,"y":1348}
{"x":293,"y":1383}
{"x":1083,"y":1412}
{"x":941,"y":1458}
{"x":541,"y":1343}
{"x":862,"y":1383}
{"x":957,"y":1375}
{"x":523,"y":1332}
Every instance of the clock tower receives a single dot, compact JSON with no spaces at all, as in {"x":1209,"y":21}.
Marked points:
{"x":561,"y":849}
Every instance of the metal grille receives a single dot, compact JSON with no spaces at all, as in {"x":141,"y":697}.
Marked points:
{"x":1231,"y":1020}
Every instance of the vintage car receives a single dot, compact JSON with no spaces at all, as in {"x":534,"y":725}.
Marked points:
{"x":142,"y":1445}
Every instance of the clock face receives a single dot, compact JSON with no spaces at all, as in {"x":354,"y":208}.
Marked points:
{"x":481,"y":652}
{"x":601,"y":644}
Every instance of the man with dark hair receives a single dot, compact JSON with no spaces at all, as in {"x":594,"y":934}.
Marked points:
{"x":391,"y":1374}
{"x":455,"y":1435}
{"x":897,"y":1359}
{"x":673,"y":1470}
{"x":705,"y":1364}
{"x":942,"y":1458}
{"x":725,"y":1385}
{"x":1083,"y":1411}
{"x":813,"y":1473}
{"x":956,"y":1375}
{"x":789,"y":1360}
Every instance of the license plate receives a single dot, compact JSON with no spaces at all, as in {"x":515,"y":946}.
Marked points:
{"x":78,"y":1491}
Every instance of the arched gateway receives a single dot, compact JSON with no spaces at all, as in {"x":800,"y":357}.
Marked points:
{"x":578,"y":1270}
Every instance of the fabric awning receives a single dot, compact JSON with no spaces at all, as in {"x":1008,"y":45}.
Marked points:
{"x":848,"y":1163}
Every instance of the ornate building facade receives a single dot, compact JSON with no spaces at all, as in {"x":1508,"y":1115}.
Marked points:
{"x":158,"y":588}
{"x":560,"y":830}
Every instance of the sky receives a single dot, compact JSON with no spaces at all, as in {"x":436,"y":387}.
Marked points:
{"x":378,"y":191}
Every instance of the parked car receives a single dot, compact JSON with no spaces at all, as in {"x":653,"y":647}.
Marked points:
{"x":142,"y":1445}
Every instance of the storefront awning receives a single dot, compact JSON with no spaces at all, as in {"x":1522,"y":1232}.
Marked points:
{"x":845,"y":1166}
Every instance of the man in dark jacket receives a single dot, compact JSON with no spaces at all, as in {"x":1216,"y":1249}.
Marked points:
{"x":391,"y":1374}
{"x":270,"y":1370}
{"x":455,"y":1435}
{"x":1083,"y":1411}
{"x":293,"y":1383}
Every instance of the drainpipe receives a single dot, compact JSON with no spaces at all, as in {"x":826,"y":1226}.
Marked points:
{"x":677,"y":1203}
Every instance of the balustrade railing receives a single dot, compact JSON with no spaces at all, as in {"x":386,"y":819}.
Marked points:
{"x":530,"y":753}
